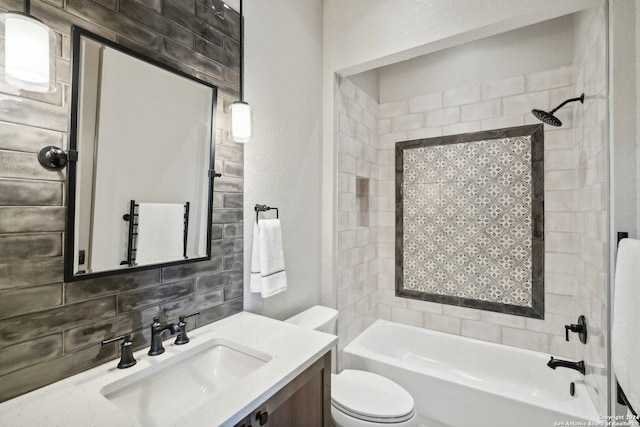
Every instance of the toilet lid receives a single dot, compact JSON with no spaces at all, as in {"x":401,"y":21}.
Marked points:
{"x":370,"y":397}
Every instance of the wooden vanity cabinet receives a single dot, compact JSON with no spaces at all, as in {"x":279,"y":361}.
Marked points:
{"x":305,"y":401}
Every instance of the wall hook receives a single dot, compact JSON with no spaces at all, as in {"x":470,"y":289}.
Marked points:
{"x":52,"y":157}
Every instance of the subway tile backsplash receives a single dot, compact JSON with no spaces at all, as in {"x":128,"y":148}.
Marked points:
{"x":50,"y":329}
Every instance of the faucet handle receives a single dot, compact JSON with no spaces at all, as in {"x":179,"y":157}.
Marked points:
{"x":182,"y":337}
{"x":182,"y":317}
{"x":580,"y":328}
{"x":126,"y":350}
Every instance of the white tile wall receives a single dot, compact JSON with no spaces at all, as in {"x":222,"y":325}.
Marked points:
{"x":575,"y":204}
{"x":548,"y":79}
{"x":462,"y":95}
{"x":482,"y":110}
{"x":392,"y":109}
{"x":589,"y":200}
{"x":407,"y":122}
{"x":575,"y":215}
{"x":503,"y":88}
{"x":491,"y":105}
{"x":443,"y":116}
{"x":358,"y":149}
{"x":481,"y":330}
{"x":530,"y":340}
{"x":442,"y":323}
{"x":522,"y":104}
{"x":428,"y":102}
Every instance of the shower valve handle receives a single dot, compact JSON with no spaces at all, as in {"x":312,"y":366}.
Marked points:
{"x":572,"y":328}
{"x":580,"y":328}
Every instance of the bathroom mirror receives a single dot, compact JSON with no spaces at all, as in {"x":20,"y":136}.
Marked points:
{"x":140,"y":193}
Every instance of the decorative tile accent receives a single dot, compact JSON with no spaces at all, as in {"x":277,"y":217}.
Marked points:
{"x":469,"y":212}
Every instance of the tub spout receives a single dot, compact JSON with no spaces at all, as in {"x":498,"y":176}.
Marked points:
{"x":578,"y":366}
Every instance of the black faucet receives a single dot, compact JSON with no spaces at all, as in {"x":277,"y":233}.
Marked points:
{"x":126,"y":350}
{"x":578,"y":366}
{"x":182,"y":337}
{"x":156,"y":335}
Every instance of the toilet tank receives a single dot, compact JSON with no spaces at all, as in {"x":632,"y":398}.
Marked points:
{"x":318,"y":317}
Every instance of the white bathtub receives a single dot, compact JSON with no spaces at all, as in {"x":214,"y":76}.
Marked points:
{"x":462,"y":382}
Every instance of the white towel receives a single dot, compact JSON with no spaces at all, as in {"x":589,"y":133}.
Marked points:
{"x":160,"y":233}
{"x":255,"y":283}
{"x":625,"y":345}
{"x":268,"y":275}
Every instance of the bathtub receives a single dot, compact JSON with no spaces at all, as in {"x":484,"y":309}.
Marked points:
{"x":462,"y":382}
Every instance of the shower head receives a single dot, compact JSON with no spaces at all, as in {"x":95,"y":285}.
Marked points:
{"x":548,"y":117}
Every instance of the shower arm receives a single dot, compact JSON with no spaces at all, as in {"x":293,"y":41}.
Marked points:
{"x":580,"y":98}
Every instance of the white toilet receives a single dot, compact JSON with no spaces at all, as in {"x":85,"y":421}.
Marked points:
{"x":360,"y":398}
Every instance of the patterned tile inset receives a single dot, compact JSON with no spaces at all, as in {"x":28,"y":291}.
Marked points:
{"x":467,"y":220}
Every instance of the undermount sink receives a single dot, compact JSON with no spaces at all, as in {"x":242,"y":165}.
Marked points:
{"x":161,"y":394}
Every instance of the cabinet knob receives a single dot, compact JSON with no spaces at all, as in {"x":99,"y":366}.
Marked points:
{"x":262,"y":417}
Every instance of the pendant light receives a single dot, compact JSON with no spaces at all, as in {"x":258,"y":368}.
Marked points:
{"x":27,"y":51}
{"x":240,"y":117}
{"x":240,"y":111}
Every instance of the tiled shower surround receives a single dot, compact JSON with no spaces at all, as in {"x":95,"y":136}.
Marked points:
{"x":357,"y":242}
{"x":49,"y":329}
{"x":575,"y":207}
{"x":442,"y":114}
{"x":588,"y":267}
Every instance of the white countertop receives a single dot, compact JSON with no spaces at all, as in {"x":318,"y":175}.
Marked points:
{"x":76,"y":401}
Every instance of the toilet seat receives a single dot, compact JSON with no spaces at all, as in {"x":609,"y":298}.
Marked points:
{"x":370,"y":397}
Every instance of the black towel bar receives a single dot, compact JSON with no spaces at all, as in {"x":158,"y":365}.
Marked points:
{"x":264,"y":208}
{"x":132,"y":218}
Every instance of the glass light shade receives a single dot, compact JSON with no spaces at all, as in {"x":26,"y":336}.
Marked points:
{"x":27,"y":57}
{"x":240,"y":117}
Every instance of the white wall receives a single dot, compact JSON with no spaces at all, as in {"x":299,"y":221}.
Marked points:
{"x":366,"y":34}
{"x":283,"y":83}
{"x":624,"y":133}
{"x":368,"y":82}
{"x":537,"y":47}
{"x":623,"y":115}
{"x":637,"y":92}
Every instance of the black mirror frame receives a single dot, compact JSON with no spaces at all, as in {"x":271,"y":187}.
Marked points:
{"x":69,"y":275}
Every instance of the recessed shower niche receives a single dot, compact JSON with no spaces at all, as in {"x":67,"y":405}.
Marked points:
{"x":469,"y":220}
{"x":362,"y":201}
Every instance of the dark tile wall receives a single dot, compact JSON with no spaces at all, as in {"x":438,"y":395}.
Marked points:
{"x":49,"y":329}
